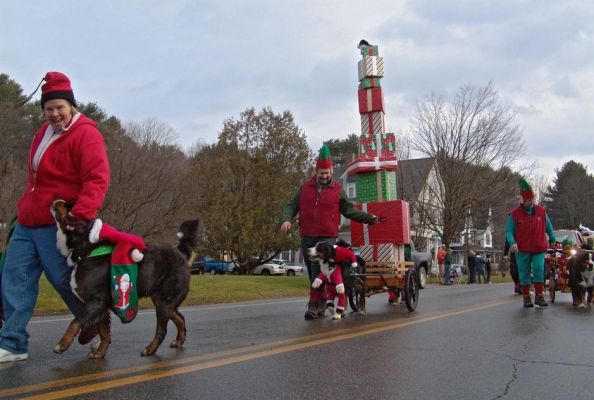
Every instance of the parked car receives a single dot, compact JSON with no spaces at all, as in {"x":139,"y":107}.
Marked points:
{"x":273,"y":267}
{"x":291,"y":270}
{"x":423,"y":261}
{"x":209,"y":265}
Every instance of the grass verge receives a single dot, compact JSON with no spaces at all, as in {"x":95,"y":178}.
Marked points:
{"x":204,"y":289}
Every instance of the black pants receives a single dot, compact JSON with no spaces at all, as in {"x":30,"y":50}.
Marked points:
{"x":472,"y":274}
{"x":481,"y":273}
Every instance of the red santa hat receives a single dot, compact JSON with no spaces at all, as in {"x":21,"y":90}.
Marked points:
{"x":57,"y":86}
{"x":129,"y":248}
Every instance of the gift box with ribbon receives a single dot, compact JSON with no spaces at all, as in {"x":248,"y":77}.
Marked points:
{"x":393,"y":227}
{"x":371,"y":67}
{"x":368,"y":83}
{"x":372,"y":123}
{"x":382,"y":252}
{"x":376,"y":186}
{"x":370,"y":100}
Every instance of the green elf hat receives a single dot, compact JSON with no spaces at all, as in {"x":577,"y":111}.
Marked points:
{"x":526,"y":190}
{"x":324,"y":160}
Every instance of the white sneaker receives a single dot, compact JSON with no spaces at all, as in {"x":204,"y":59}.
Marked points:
{"x":7,"y":356}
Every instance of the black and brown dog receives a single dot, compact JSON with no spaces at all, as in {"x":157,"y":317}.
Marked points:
{"x":163,"y":275}
{"x":581,"y":276}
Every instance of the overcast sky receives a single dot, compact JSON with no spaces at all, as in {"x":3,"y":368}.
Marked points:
{"x":192,"y":64}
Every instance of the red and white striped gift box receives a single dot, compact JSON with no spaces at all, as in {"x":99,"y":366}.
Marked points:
{"x":382,"y":252}
{"x":371,"y":67}
{"x":372,"y":123}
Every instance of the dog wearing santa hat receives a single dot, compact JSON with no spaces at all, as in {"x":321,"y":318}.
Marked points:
{"x":163,"y":275}
{"x":331,"y":258}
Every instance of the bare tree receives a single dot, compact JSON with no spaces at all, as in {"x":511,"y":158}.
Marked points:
{"x":474,"y":141}
{"x":146,"y":195}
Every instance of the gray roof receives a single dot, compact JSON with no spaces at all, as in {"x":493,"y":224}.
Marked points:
{"x":412,"y":175}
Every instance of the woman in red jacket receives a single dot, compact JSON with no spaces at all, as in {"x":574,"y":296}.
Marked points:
{"x":67,"y":160}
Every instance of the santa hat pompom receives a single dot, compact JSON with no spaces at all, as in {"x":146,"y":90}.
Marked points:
{"x":95,"y":231}
{"x":136,"y":255}
{"x":354,"y":265}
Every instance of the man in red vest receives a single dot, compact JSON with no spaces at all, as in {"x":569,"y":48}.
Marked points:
{"x":526,"y":231}
{"x":319,"y":202}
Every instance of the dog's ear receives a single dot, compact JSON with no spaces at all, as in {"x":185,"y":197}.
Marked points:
{"x":324,"y":249}
{"x":59,"y":210}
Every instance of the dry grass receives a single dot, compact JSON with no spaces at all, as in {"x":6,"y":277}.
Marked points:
{"x":204,"y":289}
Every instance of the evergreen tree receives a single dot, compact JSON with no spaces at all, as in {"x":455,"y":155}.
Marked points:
{"x":569,"y":199}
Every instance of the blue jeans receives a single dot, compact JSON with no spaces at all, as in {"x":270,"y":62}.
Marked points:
{"x":30,"y":252}
{"x":447,"y":273}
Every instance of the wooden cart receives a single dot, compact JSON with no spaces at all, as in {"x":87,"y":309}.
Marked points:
{"x":374,"y":277}
{"x":557,"y":273}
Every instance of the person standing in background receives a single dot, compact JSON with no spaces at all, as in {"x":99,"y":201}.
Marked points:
{"x":471,"y":263}
{"x":488,"y":267}
{"x":441,"y":253}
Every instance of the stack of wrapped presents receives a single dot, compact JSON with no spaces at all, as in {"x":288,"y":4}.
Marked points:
{"x":375,"y":171}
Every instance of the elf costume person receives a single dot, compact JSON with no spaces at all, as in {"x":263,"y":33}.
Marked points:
{"x":319,"y":202}
{"x":526,"y":231}
{"x":127,"y":251}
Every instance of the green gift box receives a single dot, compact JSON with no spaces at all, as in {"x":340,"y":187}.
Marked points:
{"x":368,"y":83}
{"x":376,"y":186}
{"x":370,"y":51}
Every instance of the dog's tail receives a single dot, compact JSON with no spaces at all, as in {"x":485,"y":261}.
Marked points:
{"x":188,"y":237}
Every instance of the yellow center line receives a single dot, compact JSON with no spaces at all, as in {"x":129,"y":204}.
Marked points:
{"x":287,"y":345}
{"x":302,"y":343}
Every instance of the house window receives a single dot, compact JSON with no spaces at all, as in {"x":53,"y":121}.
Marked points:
{"x":488,"y":239}
{"x":351,"y":192}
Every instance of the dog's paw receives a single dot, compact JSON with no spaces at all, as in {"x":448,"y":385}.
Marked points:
{"x":362,"y":313}
{"x":337,"y":316}
{"x":581,"y":306}
{"x":176,"y":344}
{"x":58,"y":349}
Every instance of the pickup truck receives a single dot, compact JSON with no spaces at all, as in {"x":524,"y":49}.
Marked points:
{"x":208,"y":265}
{"x":422,"y":260}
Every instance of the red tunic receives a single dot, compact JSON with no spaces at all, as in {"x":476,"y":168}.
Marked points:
{"x":319,"y":212}
{"x":530,"y":230}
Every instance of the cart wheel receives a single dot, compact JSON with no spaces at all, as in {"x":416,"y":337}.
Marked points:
{"x":355,"y":288}
{"x":411,"y":289}
{"x":552,"y":287}
{"x":354,"y":296}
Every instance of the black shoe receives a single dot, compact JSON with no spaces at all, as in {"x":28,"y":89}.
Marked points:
{"x":528,"y":302}
{"x":540,"y":301}
{"x":312,"y":311}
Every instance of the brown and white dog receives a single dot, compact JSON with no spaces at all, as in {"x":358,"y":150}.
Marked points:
{"x":163,"y":275}
{"x":581,"y":279}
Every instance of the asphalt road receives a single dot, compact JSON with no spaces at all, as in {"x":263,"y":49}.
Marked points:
{"x":463,"y":342}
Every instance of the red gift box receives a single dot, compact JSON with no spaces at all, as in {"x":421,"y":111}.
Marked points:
{"x":370,"y":100}
{"x":393,"y":228}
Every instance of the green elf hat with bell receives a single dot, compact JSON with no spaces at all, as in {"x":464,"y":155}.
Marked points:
{"x":324,"y":160}
{"x":526,"y":190}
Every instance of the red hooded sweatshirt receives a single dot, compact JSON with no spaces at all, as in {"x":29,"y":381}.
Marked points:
{"x":73,"y":168}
